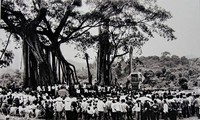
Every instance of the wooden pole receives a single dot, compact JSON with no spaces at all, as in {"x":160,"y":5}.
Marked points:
{"x":130,"y":57}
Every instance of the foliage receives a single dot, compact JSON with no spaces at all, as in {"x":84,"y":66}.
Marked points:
{"x":128,"y":28}
{"x":158,"y":73}
{"x":10,"y":78}
{"x":7,"y":58}
{"x":164,"y":73}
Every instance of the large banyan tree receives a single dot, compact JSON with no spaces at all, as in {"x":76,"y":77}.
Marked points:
{"x":43,"y":25}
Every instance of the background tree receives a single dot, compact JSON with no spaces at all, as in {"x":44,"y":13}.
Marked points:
{"x":6,"y":56}
{"x":158,"y":73}
{"x":165,"y":54}
{"x":164,"y":70}
{"x":184,"y":60}
{"x":119,"y":70}
{"x":88,"y":68}
{"x":126,"y":23}
{"x":175,"y":59}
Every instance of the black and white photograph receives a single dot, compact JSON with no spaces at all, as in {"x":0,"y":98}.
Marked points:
{"x":99,"y":59}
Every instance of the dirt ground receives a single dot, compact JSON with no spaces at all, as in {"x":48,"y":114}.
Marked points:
{"x":2,"y":117}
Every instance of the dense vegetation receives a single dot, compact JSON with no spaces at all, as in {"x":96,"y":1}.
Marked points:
{"x":165,"y":71}
{"x":159,"y":71}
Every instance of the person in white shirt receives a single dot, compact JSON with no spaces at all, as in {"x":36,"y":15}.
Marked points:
{"x":189,"y":99}
{"x":59,"y":107}
{"x":38,"y":111}
{"x":29,"y":110}
{"x":68,"y":101}
{"x":124,"y":108}
{"x":100,"y":108}
{"x":39,"y":89}
{"x":165,"y":110}
{"x":113,"y":113}
{"x":13,"y":110}
{"x":118,"y":109}
{"x":108,"y":104}
{"x":137,"y":108}
{"x":106,"y":116}
{"x":21,"y":111}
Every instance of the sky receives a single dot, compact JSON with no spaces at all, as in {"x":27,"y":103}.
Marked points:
{"x":185,"y":22}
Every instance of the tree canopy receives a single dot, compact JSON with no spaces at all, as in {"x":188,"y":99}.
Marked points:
{"x":44,"y":25}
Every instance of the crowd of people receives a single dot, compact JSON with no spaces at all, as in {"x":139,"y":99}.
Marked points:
{"x":86,"y":102}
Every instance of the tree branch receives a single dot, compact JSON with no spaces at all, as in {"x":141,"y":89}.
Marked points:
{"x":62,"y":22}
{"x":122,"y":54}
{"x":48,"y":25}
{"x":15,"y":13}
{"x":4,"y":50}
{"x":115,"y":56}
{"x":64,"y":39}
{"x":9,"y":23}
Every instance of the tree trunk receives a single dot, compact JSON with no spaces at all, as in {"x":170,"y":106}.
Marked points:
{"x":88,"y":67}
{"x":130,"y":58}
{"x":104,"y":67}
{"x":43,"y":65}
{"x":39,"y":69}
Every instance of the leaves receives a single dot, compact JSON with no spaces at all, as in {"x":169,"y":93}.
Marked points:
{"x":7,"y":58}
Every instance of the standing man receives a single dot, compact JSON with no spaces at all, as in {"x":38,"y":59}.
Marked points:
{"x":165,"y":110}
{"x":100,"y":109}
{"x":138,"y":109}
{"x":59,"y":108}
{"x":113,"y":114}
{"x":124,"y":108}
{"x":146,"y":110}
{"x":155,"y":111}
{"x":84,"y":107}
{"x":118,"y":109}
{"x":68,"y":102}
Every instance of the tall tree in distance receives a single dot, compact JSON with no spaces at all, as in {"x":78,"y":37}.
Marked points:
{"x":125,"y":23}
{"x":88,"y":67}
